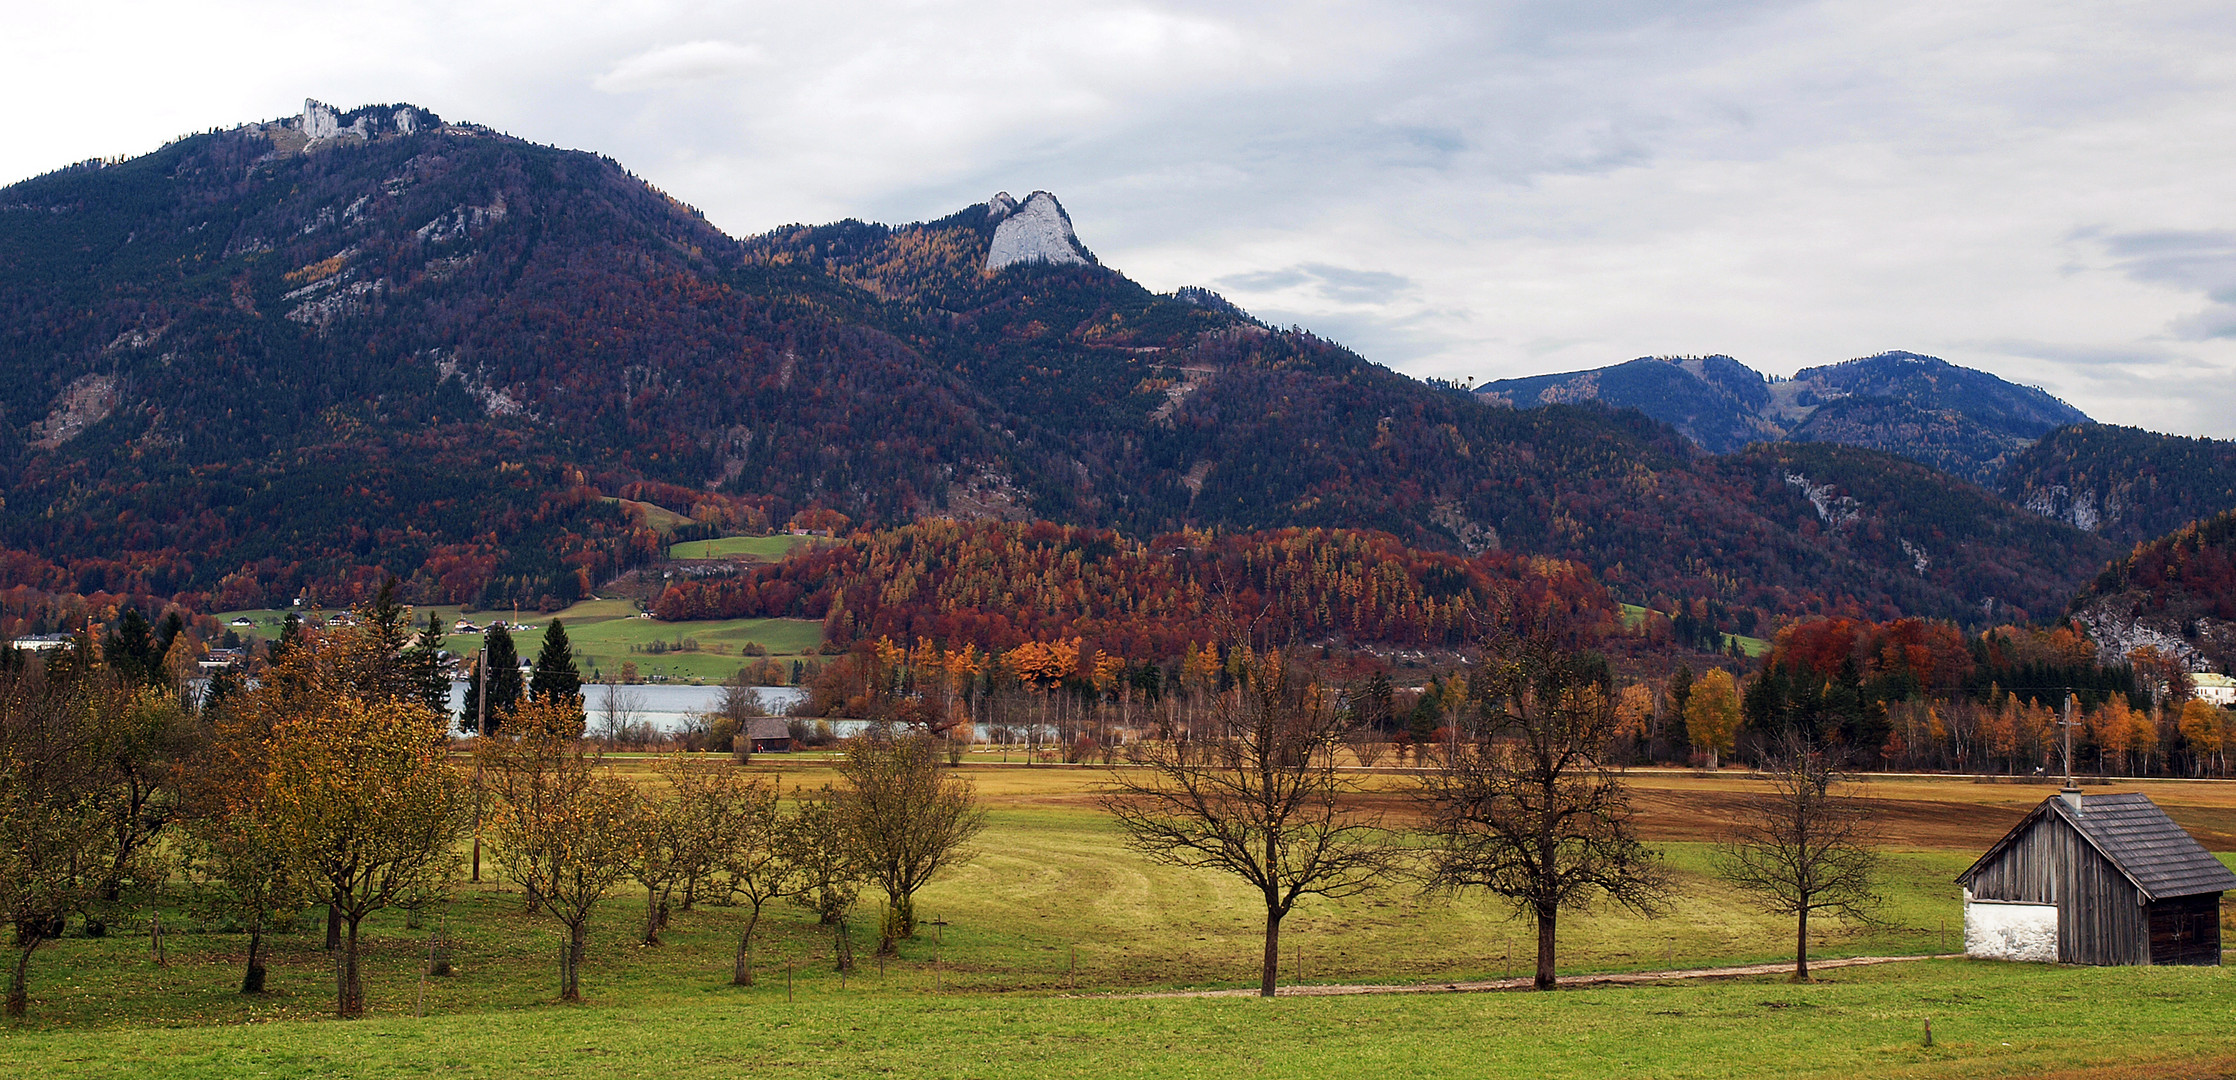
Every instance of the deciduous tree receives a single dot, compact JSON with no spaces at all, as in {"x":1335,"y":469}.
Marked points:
{"x":563,"y":832}
{"x":1805,"y":846}
{"x":1258,"y":796}
{"x":1529,"y":810}
{"x":367,"y":805}
{"x":907,"y":819}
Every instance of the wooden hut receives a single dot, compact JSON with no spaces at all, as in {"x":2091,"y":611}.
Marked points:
{"x":769,"y":735}
{"x":2100,"y":879}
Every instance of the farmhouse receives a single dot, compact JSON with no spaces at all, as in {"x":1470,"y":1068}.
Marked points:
{"x":768,"y":735}
{"x":2100,"y":879}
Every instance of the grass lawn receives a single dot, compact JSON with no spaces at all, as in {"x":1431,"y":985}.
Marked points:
{"x":606,"y":634}
{"x":763,"y":548}
{"x":1053,"y":922}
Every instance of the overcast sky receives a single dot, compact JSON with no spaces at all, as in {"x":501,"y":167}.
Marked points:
{"x":1469,"y":189}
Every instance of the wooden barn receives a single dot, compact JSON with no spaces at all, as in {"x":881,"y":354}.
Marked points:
{"x":769,"y":735}
{"x":2098,"y":879}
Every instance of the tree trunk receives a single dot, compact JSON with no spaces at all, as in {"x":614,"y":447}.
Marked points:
{"x":350,"y":998}
{"x":1801,"y":946}
{"x":333,"y":928}
{"x":900,"y":924}
{"x":1270,"y":973}
{"x":741,"y":966}
{"x":19,"y":984}
{"x":842,"y":945}
{"x":570,"y":976}
{"x":252,"y":981}
{"x":1546,"y":914}
{"x":652,"y":918}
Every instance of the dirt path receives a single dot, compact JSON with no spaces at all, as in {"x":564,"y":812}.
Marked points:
{"x":1610,"y":979}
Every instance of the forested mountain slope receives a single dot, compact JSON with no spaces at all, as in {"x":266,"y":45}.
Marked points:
{"x":307,"y":353}
{"x":2177,"y":593}
{"x":1920,"y":407}
{"x":2124,"y":483}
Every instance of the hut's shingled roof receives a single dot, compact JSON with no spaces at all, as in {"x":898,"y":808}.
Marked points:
{"x":2160,"y":857}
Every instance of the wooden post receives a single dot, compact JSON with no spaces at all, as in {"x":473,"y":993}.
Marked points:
{"x":1929,"y":1032}
{"x":155,"y":939}
{"x":788,"y":982}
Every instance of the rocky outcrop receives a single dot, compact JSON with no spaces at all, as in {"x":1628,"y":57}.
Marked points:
{"x":1037,"y":231}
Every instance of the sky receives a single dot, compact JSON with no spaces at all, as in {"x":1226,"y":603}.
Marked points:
{"x":1470,"y":190}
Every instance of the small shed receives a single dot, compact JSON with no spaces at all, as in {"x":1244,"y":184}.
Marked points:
{"x":2097,"y":879}
{"x":768,"y":735}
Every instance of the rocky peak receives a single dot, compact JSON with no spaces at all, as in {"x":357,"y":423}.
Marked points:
{"x":320,"y":123}
{"x":1035,"y":231}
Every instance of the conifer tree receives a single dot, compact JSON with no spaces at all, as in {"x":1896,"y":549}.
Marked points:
{"x":556,"y":677}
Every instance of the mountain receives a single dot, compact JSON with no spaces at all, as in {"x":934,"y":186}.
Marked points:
{"x":2123,"y":483}
{"x":2176,"y":593}
{"x":1923,"y":408}
{"x":303,"y":354}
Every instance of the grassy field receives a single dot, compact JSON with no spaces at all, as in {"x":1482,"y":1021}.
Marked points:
{"x":762,"y":548}
{"x":606,"y":633}
{"x":1633,"y":614}
{"x":1050,"y":931}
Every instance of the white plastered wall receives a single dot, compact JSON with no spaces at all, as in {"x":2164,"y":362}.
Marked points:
{"x":2003,"y":931}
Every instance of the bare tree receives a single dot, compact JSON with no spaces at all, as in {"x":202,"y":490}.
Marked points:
{"x":1806,"y":846}
{"x":907,"y":818}
{"x":1257,"y":795}
{"x":563,"y":833}
{"x":621,"y":716}
{"x":1528,"y":809}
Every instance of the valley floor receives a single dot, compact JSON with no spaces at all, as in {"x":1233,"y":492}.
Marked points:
{"x":1042,"y":945}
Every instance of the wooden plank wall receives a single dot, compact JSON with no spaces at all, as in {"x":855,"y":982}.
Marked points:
{"x":2186,"y":930}
{"x":2100,"y":917}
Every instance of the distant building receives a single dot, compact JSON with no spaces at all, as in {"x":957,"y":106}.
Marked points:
{"x":2215,"y":689}
{"x":768,"y":735}
{"x":242,"y":620}
{"x":2100,"y":879}
{"x":42,"y":642}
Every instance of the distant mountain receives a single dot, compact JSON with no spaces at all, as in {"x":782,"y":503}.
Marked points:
{"x":2123,"y":483}
{"x":2176,"y":593}
{"x":306,"y":353}
{"x":1926,"y":409}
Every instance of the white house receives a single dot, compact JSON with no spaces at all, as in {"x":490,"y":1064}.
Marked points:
{"x":2216,"y":689}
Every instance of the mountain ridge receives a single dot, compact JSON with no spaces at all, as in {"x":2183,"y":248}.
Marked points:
{"x":253,"y":363}
{"x":1957,"y":419}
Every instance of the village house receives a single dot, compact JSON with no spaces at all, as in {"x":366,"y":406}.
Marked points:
{"x":2097,"y":879}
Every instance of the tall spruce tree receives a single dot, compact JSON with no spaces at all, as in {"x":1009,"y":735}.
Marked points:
{"x":423,"y":667}
{"x":556,"y":677}
{"x":503,"y":679}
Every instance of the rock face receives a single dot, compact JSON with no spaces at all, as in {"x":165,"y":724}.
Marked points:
{"x":1037,"y":231}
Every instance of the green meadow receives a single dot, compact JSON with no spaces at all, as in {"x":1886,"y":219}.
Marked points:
{"x":607,"y":633}
{"x":1041,"y":956}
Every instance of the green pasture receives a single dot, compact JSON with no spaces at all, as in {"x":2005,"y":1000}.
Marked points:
{"x":603,"y":633}
{"x":764,"y":548}
{"x":1989,"y":1020}
{"x":1034,"y":957}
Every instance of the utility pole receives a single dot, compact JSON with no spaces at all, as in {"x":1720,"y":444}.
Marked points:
{"x":481,"y":727}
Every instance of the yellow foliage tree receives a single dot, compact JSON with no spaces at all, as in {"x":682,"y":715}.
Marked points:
{"x":1712,"y":714}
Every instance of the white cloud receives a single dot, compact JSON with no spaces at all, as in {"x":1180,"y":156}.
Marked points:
{"x":679,"y":65}
{"x":1544,"y":184}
